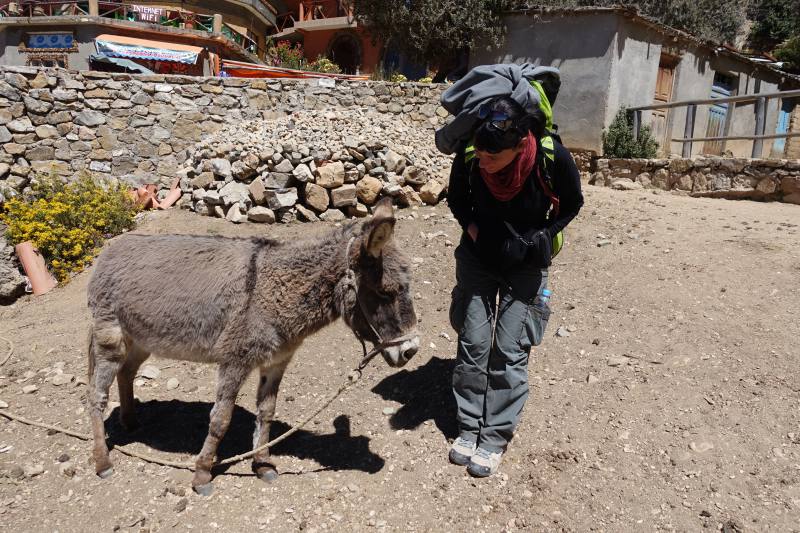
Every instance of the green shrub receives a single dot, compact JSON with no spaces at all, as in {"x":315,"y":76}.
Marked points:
{"x":323,"y":64}
{"x":618,"y":141}
{"x":426,"y":79}
{"x":398,"y":78}
{"x":68,"y":222}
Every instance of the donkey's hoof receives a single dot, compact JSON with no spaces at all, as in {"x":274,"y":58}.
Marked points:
{"x":267,"y":475}
{"x":204,"y":490}
{"x":106,"y":473}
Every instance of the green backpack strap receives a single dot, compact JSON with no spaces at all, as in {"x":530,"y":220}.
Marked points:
{"x":549,"y":149}
{"x":544,"y":104}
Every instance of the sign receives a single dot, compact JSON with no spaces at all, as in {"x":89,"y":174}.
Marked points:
{"x":113,"y":49}
{"x":149,"y":14}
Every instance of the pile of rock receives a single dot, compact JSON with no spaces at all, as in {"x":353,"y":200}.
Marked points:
{"x":312,"y":166}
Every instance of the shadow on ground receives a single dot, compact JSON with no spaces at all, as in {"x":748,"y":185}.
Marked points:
{"x":426,"y":394}
{"x":180,"y":427}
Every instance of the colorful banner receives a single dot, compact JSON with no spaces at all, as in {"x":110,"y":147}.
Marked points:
{"x":142,"y":52}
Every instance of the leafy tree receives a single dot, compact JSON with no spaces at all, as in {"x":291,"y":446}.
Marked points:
{"x":432,"y":31}
{"x":774,"y":21}
{"x":718,"y":20}
{"x":618,"y":141}
{"x":790,"y":53}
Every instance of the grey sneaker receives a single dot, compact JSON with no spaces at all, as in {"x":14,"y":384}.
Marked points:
{"x":461,"y":451}
{"x":484,"y":463}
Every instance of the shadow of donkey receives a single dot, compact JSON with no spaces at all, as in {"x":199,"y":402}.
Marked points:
{"x":176,"y":426}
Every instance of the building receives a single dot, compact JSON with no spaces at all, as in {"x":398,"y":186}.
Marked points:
{"x":614,"y":57}
{"x":187,"y":37}
{"x":327,"y":28}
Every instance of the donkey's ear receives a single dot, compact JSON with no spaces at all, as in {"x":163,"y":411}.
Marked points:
{"x":381,"y":228}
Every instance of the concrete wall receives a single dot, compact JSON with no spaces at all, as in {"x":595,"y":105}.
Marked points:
{"x":635,"y":68}
{"x":585,"y":64}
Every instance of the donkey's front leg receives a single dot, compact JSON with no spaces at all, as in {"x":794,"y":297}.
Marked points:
{"x":229,"y":381}
{"x":268,"y":384}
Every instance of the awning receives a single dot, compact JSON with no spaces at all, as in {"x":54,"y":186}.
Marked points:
{"x":125,"y":64}
{"x":119,"y":46}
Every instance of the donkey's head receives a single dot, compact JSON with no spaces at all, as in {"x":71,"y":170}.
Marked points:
{"x":376,"y":302}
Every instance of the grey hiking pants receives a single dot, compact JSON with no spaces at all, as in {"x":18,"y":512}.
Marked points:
{"x":490,"y":379}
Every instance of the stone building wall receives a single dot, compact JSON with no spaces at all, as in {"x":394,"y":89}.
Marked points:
{"x":140,"y":127}
{"x":716,"y":177}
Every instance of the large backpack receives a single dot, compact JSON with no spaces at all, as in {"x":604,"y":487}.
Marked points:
{"x":547,"y":86}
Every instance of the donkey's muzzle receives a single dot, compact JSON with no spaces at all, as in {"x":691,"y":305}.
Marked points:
{"x":398,"y":356}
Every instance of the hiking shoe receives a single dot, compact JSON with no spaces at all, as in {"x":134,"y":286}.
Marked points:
{"x":484,"y":463}
{"x":461,"y":451}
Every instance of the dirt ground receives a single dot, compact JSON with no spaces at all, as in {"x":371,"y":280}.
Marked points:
{"x":672,"y":402}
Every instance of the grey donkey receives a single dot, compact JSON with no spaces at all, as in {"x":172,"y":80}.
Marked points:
{"x":243,"y":303}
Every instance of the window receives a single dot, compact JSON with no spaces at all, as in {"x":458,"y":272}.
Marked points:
{"x":49,"y":60}
{"x":48,"y":49}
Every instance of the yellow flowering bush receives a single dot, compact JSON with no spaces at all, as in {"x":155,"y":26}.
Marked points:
{"x":67,"y":222}
{"x":325,"y":65}
{"x":398,"y":78}
{"x":426,"y":79}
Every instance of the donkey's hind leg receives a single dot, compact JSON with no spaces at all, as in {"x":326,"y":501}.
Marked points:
{"x":106,"y":355}
{"x":127,"y":407}
{"x":268,"y":384}
{"x":229,"y":381}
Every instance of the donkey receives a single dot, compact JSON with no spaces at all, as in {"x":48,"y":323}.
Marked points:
{"x":243,"y":303}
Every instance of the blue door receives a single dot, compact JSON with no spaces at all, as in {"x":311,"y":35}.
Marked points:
{"x":779,"y":145}
{"x":718,"y":114}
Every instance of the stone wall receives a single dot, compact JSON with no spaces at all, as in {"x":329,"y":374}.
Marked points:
{"x":140,"y":128}
{"x":734,"y":178}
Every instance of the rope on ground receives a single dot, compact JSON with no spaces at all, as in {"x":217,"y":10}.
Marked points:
{"x":10,"y":350}
{"x":351,"y":379}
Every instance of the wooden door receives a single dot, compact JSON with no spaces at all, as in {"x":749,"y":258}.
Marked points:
{"x":663,"y":95}
{"x":718,"y":114}
{"x":779,"y":145}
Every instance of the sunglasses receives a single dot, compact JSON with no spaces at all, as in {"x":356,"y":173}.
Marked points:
{"x":495,"y":119}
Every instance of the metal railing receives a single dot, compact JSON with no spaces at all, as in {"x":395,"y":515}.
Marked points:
{"x":688,"y":138}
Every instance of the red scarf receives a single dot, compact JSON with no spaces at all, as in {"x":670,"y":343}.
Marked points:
{"x":507,"y":183}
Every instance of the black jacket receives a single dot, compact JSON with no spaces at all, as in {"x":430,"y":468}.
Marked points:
{"x":470,"y":201}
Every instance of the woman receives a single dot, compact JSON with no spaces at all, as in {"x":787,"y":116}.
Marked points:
{"x":511,"y":199}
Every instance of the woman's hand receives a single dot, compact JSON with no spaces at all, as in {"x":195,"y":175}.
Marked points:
{"x":472,"y":230}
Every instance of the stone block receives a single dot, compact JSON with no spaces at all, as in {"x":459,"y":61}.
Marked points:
{"x":261,"y":215}
{"x":368,"y":190}
{"x":280,"y":198}
{"x":431,"y":192}
{"x":331,"y":175}
{"x":344,"y":196}
{"x":257,"y":191}
{"x":316,"y":197}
